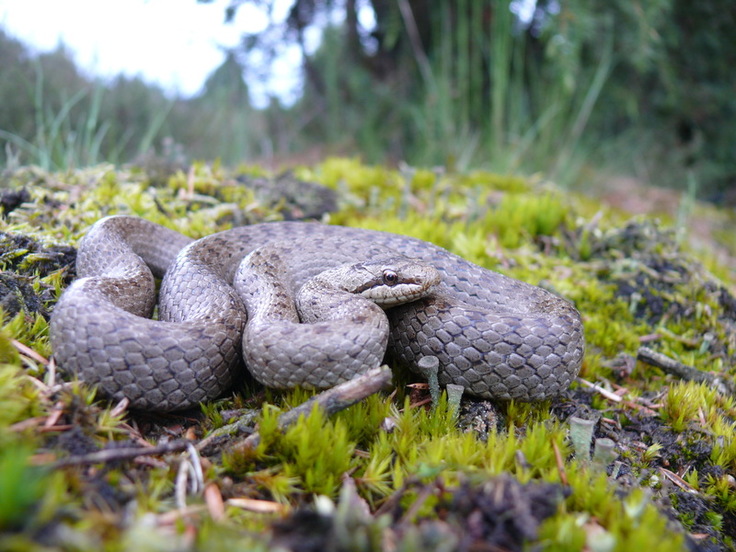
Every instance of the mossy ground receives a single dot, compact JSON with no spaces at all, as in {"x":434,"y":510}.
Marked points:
{"x":390,"y":472}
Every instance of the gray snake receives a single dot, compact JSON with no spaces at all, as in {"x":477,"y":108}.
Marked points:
{"x":496,"y":336}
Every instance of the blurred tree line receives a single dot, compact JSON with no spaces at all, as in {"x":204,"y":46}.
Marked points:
{"x":53,"y":115}
{"x":550,"y":85}
{"x":554,"y":85}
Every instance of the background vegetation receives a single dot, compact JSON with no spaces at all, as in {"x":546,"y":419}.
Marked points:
{"x":642,"y":88}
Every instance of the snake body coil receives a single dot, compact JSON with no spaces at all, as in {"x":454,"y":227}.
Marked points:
{"x":496,"y":336}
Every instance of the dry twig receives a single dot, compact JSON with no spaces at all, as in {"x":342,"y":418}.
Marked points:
{"x":683,"y":371}
{"x":111,"y":455}
{"x":330,"y":401}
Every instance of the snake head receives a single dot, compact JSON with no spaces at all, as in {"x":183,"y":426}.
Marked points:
{"x":391,"y":281}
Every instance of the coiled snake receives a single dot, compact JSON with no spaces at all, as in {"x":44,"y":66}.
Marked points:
{"x":497,"y":337}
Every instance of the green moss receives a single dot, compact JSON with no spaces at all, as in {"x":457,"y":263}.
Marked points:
{"x":390,"y":449}
{"x":493,"y":181}
{"x":520,"y":218}
{"x":318,"y":451}
{"x":721,"y":489}
{"x":724,"y":447}
{"x":21,"y":487}
{"x":682,"y":404}
{"x":20,"y":401}
{"x":8,"y":352}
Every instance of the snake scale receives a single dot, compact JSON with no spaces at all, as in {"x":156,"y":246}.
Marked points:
{"x":496,"y":336}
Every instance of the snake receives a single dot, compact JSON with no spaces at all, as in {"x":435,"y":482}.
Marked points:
{"x":243,"y":297}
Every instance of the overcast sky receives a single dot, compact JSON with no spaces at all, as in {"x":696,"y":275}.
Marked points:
{"x":175,"y":43}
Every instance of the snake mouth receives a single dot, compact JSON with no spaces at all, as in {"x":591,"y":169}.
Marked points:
{"x":406,"y":298}
{"x":402,"y":293}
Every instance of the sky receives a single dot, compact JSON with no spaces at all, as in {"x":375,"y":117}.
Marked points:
{"x":173,"y":43}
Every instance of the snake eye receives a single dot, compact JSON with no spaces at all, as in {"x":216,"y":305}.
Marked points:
{"x":390,"y":277}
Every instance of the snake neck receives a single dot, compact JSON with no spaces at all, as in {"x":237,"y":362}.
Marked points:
{"x":260,"y":284}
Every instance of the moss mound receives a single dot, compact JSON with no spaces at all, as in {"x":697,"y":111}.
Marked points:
{"x":631,"y":457}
